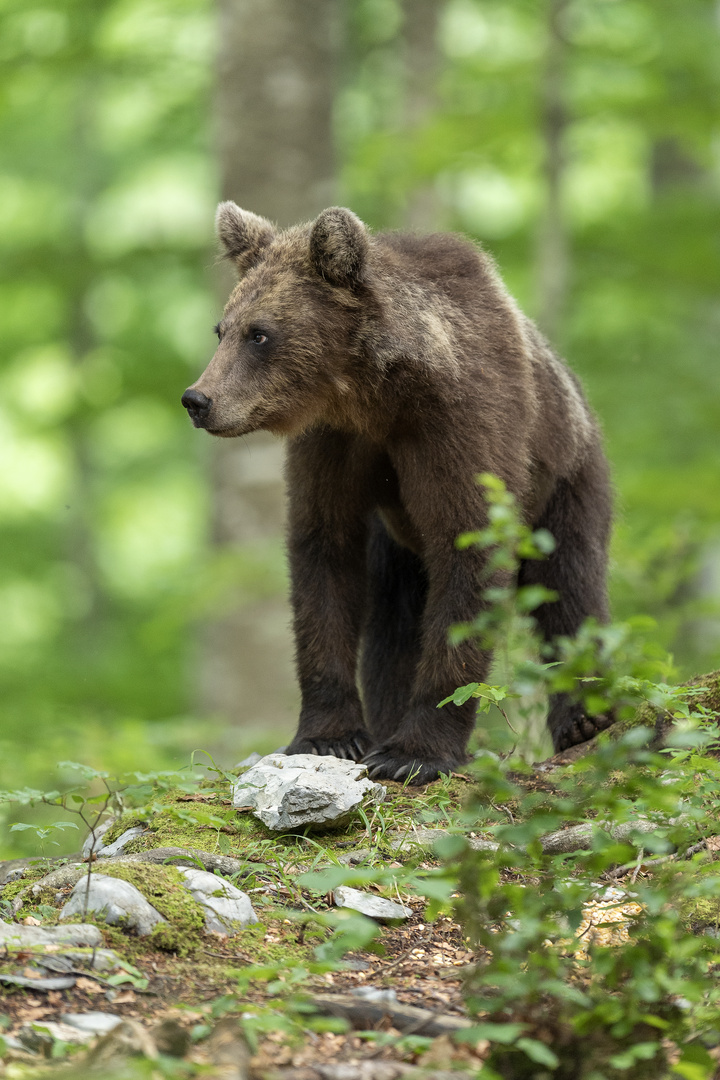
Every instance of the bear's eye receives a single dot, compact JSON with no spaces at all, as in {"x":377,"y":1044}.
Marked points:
{"x":258,"y":337}
{"x":218,"y":331}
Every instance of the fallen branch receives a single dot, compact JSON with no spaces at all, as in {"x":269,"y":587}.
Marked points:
{"x":363,"y":1014}
{"x":361,"y":1070}
{"x":579,"y":837}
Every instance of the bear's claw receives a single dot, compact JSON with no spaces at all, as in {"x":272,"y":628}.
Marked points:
{"x":351,"y":747}
{"x":386,"y":763}
{"x":579,"y":729}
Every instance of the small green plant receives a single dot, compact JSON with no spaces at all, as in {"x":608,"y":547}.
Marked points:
{"x":44,"y":832}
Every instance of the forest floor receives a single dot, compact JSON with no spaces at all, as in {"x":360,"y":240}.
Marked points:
{"x":227,"y":1007}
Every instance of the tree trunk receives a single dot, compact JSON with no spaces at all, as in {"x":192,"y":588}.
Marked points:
{"x":553,"y":248}
{"x":422,"y":62}
{"x":274,"y":137}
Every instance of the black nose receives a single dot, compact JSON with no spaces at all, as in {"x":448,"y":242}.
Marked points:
{"x":196,"y":403}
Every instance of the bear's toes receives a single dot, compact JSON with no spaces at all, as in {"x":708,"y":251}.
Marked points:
{"x":389,"y":763}
{"x":576,"y":727}
{"x":352,"y":746}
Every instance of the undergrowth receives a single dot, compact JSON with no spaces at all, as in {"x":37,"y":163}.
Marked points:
{"x":590,"y":964}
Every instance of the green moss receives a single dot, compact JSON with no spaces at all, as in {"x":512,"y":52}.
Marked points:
{"x":123,"y":823}
{"x":701,"y":913}
{"x":648,"y":716}
{"x":32,"y":873}
{"x":276,"y":940}
{"x":710,"y":698}
{"x":164,"y":888}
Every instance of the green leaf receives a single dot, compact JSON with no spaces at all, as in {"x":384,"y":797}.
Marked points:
{"x":695,"y":1063}
{"x":506,"y":1034}
{"x":643,"y":1051}
{"x":538,"y":1052}
{"x":461,"y":695}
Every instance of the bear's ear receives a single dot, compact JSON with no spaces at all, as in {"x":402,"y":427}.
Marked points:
{"x":339,"y":246}
{"x":242,"y":234}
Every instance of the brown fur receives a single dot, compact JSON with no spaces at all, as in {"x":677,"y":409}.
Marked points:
{"x":400,"y":368}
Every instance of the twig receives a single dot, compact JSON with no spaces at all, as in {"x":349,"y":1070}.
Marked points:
{"x":507,"y":721}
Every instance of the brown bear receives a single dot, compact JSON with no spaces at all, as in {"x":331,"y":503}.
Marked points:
{"x":399,"y":367}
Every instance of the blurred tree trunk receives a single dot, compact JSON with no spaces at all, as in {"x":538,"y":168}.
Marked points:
{"x":553,"y":257}
{"x":422,"y":63}
{"x":276,"y":77}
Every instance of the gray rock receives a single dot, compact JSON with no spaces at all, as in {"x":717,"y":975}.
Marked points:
{"x":119,"y":845}
{"x":41,"y":1035}
{"x":425,"y":839}
{"x":289,"y":791}
{"x":11,"y":1043}
{"x":14,"y":874}
{"x":354,"y":858}
{"x":82,"y":934}
{"x":68,"y":960}
{"x":45,"y":985}
{"x":377,"y":907}
{"x":225,"y":905}
{"x":94,"y":843}
{"x":376,"y":994}
{"x":106,"y":851}
{"x":116,"y":900}
{"x":126,"y":1039}
{"x":92,"y":1023}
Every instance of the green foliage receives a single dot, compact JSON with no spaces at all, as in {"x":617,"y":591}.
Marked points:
{"x":620,"y":999}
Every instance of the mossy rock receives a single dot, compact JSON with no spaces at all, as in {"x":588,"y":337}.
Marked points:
{"x":164,"y":888}
{"x":647,"y":715}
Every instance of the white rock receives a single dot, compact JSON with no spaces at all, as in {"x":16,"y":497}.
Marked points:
{"x":106,"y":851}
{"x":116,"y":900}
{"x":94,"y":1023}
{"x":377,"y":907}
{"x":224,"y":903}
{"x":100,"y":831}
{"x":83,"y":934}
{"x":97,"y":960}
{"x":425,"y":838}
{"x":289,"y":791}
{"x":375,"y":994}
{"x":42,"y":1034}
{"x":118,"y":846}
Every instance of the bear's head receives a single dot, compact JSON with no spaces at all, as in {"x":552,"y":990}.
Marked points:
{"x":288,"y":338}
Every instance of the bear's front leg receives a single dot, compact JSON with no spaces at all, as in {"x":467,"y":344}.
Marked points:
{"x":426,"y":740}
{"x":326,"y":547}
{"x":430,"y":740}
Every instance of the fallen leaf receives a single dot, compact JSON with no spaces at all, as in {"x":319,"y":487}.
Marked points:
{"x":89,"y":986}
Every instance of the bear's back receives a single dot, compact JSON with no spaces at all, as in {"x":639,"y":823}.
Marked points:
{"x":443,"y":260}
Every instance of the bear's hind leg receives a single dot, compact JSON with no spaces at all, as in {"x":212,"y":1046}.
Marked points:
{"x":391,"y":648}
{"x":578,"y":515}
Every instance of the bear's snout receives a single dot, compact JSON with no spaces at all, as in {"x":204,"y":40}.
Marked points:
{"x":197,"y":405}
